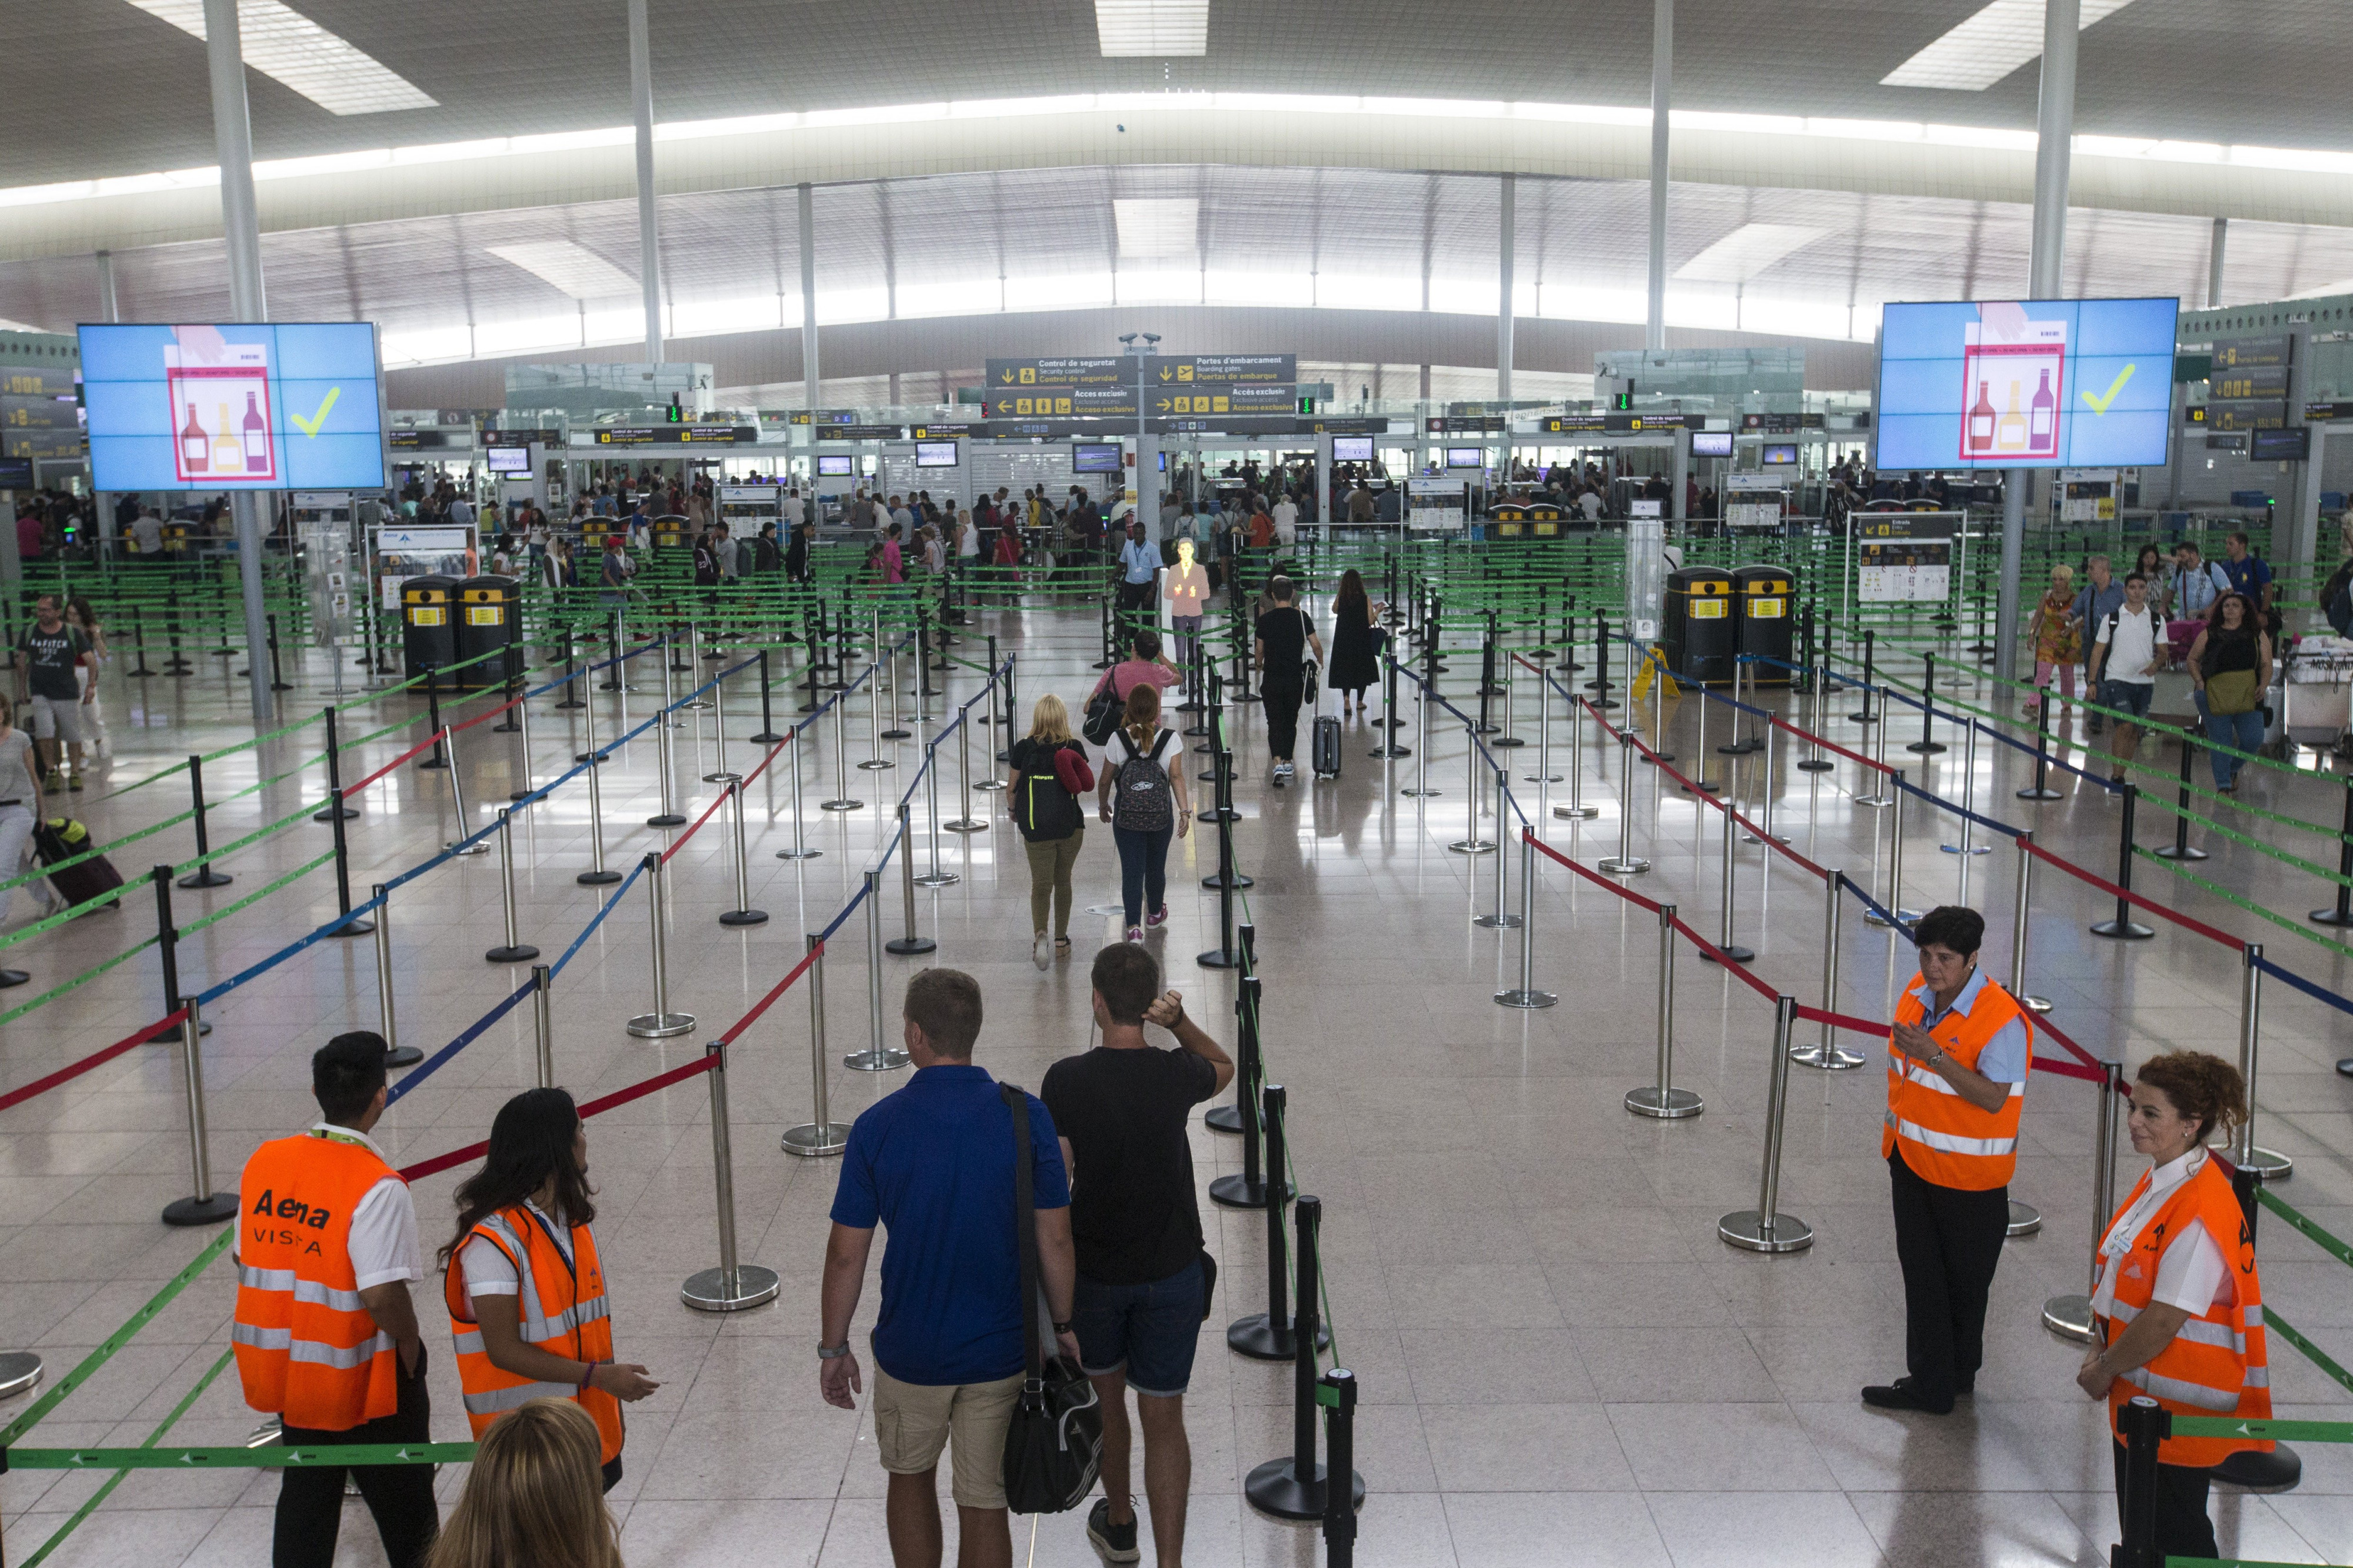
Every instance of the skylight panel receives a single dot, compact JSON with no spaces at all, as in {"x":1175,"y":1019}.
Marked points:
{"x":1747,"y":251}
{"x":1987,"y":47}
{"x":1150,"y":227}
{"x":1159,"y":27}
{"x":289,"y":47}
{"x":570,"y":266}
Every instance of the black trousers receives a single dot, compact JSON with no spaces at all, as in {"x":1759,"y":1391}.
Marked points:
{"x":2182,"y":1527}
{"x":1134,"y":598}
{"x":1948,"y":1242}
{"x":311,"y":1501}
{"x":1282,"y":696}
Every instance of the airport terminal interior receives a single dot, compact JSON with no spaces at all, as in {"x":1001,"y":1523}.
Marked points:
{"x":539,"y":533}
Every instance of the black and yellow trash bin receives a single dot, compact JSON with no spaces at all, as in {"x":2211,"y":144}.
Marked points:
{"x":490,"y":618}
{"x":669,"y":531}
{"x":1507,"y":519}
{"x":1700,"y":632}
{"x":1766,"y":608}
{"x":427,"y":633}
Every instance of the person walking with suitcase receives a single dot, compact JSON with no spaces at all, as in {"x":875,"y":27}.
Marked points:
{"x":1151,"y":806}
{"x":20,"y":808}
{"x":1285,"y":636}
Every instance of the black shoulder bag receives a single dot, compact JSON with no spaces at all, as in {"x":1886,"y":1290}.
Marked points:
{"x":1053,"y":1444}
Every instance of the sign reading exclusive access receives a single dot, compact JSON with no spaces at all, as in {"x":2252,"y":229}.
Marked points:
{"x":2036,"y":384}
{"x":233,"y":408}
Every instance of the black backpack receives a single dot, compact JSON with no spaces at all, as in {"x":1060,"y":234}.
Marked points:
{"x":1044,"y":810}
{"x":1146,"y":802}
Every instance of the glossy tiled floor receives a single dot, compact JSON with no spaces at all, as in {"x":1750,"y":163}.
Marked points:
{"x":1560,"y":1362}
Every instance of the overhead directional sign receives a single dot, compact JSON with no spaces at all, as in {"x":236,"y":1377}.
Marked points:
{"x":2245,"y":352}
{"x":1253,"y":370}
{"x":676,"y":435}
{"x":1616,"y":424}
{"x":2248,"y":381}
{"x":1179,"y":400}
{"x":1111,"y":371}
{"x":1065,"y":402}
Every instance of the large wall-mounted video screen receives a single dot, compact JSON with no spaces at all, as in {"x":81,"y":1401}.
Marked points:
{"x":2025,"y":383}
{"x":285,"y":406}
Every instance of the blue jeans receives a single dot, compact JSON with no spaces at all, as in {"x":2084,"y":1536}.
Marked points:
{"x":1142,"y":869}
{"x":2240,"y":731}
{"x":1151,"y":1330}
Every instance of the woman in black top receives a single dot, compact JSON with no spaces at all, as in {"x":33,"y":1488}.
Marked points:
{"x":1049,"y":773}
{"x":1356,"y":642}
{"x":2231,"y":665}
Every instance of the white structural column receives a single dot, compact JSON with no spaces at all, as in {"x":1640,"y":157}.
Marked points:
{"x":808,"y":298}
{"x":1663,"y":70}
{"x":242,"y":228}
{"x":641,"y":99}
{"x":2214,"y":264}
{"x":1506,"y":232}
{"x":2054,"y":130}
{"x":108,"y":310}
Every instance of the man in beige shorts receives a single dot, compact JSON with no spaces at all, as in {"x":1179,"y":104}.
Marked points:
{"x":933,"y":1164}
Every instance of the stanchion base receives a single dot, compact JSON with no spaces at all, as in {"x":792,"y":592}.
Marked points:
{"x":208,"y":878}
{"x":2173,"y":852}
{"x":769,"y":737}
{"x":432,"y":765}
{"x":520,"y":794}
{"x":2036,"y":1005}
{"x":1577,"y":812}
{"x":469,"y":851}
{"x":329,"y":815}
{"x":842,"y":806}
{"x":2277,"y":1471}
{"x":1634,"y":866}
{"x":707,"y":1291}
{"x":875,"y":1062}
{"x":1525,"y":999}
{"x":2042,"y":792}
{"x":1497,"y":923}
{"x":1503,"y":742}
{"x":1262,"y":1339}
{"x":2329,"y":917}
{"x":403,"y":1057}
{"x":1220,"y":881}
{"x":815,"y":1138}
{"x":667,"y":819}
{"x":1925,"y":747}
{"x":1422,"y":793}
{"x":2070,"y":1317}
{"x":1223,"y":1118}
{"x":1816,"y":765}
{"x":938,"y":879}
{"x":1907,"y":918}
{"x":871,"y":765}
{"x":2122,"y":930}
{"x":1276,"y":1487}
{"x":798,"y":854}
{"x":19,"y":1370}
{"x":2345,"y":1068}
{"x":991,"y":786}
{"x":1541,"y":778}
{"x":1828,"y":1058}
{"x":1749,"y":1230}
{"x":965,"y":825}
{"x":10,"y":978}
{"x":2267,"y":1164}
{"x":1981,"y":849}
{"x":2025,"y":1219}
{"x":1473,"y":847}
{"x":726,"y":778}
{"x":1738,"y":954}
{"x":660,"y":1025}
{"x":598,"y":878}
{"x":522,"y":953}
{"x":1738,"y":749}
{"x":1240,"y":1191}
{"x":1219,"y":958}
{"x":1875,"y":802}
{"x":178,"y":1033}
{"x":201,"y":1211}
{"x":744,"y":918}
{"x":1663,"y":1105}
{"x":905,"y":946}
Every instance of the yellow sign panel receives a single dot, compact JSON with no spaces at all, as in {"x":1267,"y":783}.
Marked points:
{"x":1707,"y":609}
{"x":1767,"y":609}
{"x":428,"y":616}
{"x":485,"y":616}
{"x":1030,"y":375}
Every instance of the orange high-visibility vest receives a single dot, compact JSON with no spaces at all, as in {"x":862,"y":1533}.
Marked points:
{"x":1945,"y":1139}
{"x":307,"y":1348}
{"x":2217,"y":1366}
{"x":561,"y":1309}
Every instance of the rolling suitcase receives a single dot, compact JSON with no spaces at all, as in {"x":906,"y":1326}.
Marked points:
{"x":59,"y":839}
{"x":1326,"y":753}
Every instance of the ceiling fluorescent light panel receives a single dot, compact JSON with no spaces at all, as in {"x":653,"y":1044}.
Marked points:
{"x":289,"y":47}
{"x":1987,"y":47}
{"x":1158,"y":226}
{"x":1154,"y":27}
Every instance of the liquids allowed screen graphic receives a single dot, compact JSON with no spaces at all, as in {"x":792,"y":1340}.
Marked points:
{"x":2027,"y":383}
{"x":206,"y":408}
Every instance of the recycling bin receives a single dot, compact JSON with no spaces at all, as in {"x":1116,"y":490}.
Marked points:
{"x":489,"y":619}
{"x":1700,"y":628}
{"x":428,"y":638}
{"x":1765,"y":609}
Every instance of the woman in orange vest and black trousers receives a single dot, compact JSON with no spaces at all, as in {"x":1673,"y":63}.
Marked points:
{"x":2178,"y":1309}
{"x":525,"y":1289}
{"x":1956,"y":1064}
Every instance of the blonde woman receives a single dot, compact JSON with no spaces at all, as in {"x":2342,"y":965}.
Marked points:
{"x":2058,"y":638}
{"x":533,"y":1497}
{"x":1049,"y":775}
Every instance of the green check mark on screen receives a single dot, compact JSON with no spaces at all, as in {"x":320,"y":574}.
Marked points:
{"x":310,"y":426}
{"x":2099,"y":404}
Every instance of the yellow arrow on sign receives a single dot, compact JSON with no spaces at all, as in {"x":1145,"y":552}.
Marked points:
{"x":1006,"y":378}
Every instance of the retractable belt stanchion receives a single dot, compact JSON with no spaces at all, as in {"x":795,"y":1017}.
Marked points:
{"x":1926,"y":746}
{"x":936,"y":876}
{"x":665,"y":759}
{"x":909,"y":943}
{"x":1544,"y":774}
{"x":572,"y":698}
{"x":2340,"y":914}
{"x":877,"y":1057}
{"x":543,"y":1023}
{"x":1870,"y":652}
{"x":694,"y":657}
{"x":1265,"y":1336}
{"x":721,"y":773}
{"x":433,"y":719}
{"x":767,"y":735}
{"x":1389,"y":723}
{"x":2041,"y":789}
{"x":1968,"y":793}
{"x":336,"y":812}
{"x":204,"y":875}
{"x":396,"y":1055}
{"x":1501,"y":918}
{"x":967,"y":822}
{"x":1471,"y":843}
{"x":335,"y":775}
{"x":2181,"y":849}
{"x":1765,"y":798}
{"x":881,"y":672}
{"x":743,"y":914}
{"x":457,"y":807}
{"x":1223,"y":812}
{"x":1663,"y":1101}
{"x":800,"y":849}
{"x":1625,"y":863}
{"x":1700,"y":783}
{"x":205,"y":1206}
{"x":1765,"y":1228}
{"x":1224,"y":955}
{"x":841,"y":801}
{"x":1526,"y":994}
{"x":1894,"y":900}
{"x":2072,"y":1315}
{"x":818,"y":1135}
{"x":1577,"y":810}
{"x":1337,"y":1394}
{"x":1246,"y":1190}
{"x":2265,"y":1164}
{"x":1724,"y":945}
{"x":2124,"y":927}
{"x":522,"y":748}
{"x":1883,"y":789}
{"x":1739,"y":745}
{"x":992,"y":783}
{"x":1294,"y":1487}
{"x":661,"y":1023}
{"x":1815,"y":763}
{"x":734,"y":1285}
{"x":2018,"y":928}
{"x":588,"y":720}
{"x":514,"y":950}
{"x":598,"y":875}
{"x":1828,"y":1054}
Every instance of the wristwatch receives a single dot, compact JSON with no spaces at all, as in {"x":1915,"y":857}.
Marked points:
{"x":1062,"y":1328}
{"x":833,"y":1353}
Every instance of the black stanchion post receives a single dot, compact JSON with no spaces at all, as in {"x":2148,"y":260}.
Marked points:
{"x":204,"y":875}
{"x":1247,"y":1190}
{"x":139,"y":645}
{"x":1266,"y":1336}
{"x":572,"y":698}
{"x":2041,"y":789}
{"x":923,"y":687}
{"x":277,"y":682}
{"x":335,"y":775}
{"x":335,"y":813}
{"x":2341,"y":912}
{"x":2145,"y":1424}
{"x":767,"y":735}
{"x":2180,"y":849}
{"x":1337,"y":1394}
{"x":433,"y":716}
{"x":1599,"y":684}
{"x":2124,"y":927}
{"x":1927,"y":745}
{"x":1870,"y":651}
{"x":1294,"y":1488}
{"x":167,"y":953}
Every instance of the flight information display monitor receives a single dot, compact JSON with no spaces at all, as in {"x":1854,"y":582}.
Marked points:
{"x":1352,"y":448}
{"x":285,"y":406}
{"x":509,"y":462}
{"x":2031,"y":383}
{"x":1466,"y":457}
{"x":935,"y":454}
{"x":831,"y":465}
{"x":1096,"y":457}
{"x":1711,"y":443}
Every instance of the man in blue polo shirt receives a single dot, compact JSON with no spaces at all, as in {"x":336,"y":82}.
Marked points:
{"x":933,"y":1164}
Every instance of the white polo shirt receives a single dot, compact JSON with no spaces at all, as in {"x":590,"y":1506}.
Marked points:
{"x":2134,"y":647}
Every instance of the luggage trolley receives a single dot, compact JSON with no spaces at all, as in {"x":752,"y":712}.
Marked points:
{"x":2313,"y":700}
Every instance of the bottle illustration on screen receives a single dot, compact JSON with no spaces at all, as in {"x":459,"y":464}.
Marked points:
{"x":2041,"y":412}
{"x":229,"y":456}
{"x":1981,"y":422}
{"x":257,"y":435}
{"x":2009,"y":435}
{"x":195,"y":446}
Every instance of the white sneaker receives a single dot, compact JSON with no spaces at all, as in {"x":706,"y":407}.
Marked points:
{"x":1041,"y":950}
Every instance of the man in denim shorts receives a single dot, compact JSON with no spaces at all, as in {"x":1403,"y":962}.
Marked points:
{"x":1121,"y":1111}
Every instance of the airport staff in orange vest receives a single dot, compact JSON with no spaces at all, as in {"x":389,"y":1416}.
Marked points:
{"x":2179,"y":1308}
{"x":324,"y":1333}
{"x":1956,"y":1064}
{"x":525,"y":1289}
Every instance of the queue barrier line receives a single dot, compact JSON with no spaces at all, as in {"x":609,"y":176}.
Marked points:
{"x":2240,"y":901}
{"x":2310,"y":988}
{"x":764,"y":1004}
{"x":466,"y":1037}
{"x":51,"y":922}
{"x":44,"y":872}
{"x":430,"y":740}
{"x":275,"y":1456}
{"x":67,"y":1073}
{"x":2137,"y":900}
{"x":217,"y":916}
{"x":607,"y":908}
{"x":619,"y":1097}
{"x":89,"y":1505}
{"x":1941,"y":804}
{"x":78,"y":982}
